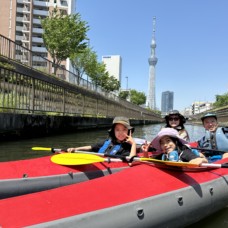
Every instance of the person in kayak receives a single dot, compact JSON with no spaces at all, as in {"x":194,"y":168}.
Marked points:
{"x":174,"y":148}
{"x":215,"y":138}
{"x":175,"y":120}
{"x":119,"y":142}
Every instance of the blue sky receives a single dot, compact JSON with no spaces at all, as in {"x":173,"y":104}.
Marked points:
{"x":191,"y":37}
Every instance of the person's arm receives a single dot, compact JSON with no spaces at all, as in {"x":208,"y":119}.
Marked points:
{"x":189,"y":156}
{"x":198,"y":161}
{"x":82,"y":148}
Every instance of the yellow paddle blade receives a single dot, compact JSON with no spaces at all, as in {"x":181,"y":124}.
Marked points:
{"x":171,"y":163}
{"x":75,"y":159}
{"x":42,"y":148}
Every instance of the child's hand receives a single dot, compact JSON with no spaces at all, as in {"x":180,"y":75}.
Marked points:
{"x":145,"y":147}
{"x":129,"y":139}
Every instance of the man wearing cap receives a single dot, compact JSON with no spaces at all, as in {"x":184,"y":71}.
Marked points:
{"x":215,"y":138}
{"x":120,"y":141}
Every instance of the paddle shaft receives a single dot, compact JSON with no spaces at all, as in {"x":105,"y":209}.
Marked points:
{"x":212,"y":165}
{"x":205,"y":149}
{"x":208,"y":165}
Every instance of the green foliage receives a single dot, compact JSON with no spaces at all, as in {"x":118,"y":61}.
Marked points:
{"x":7,"y":65}
{"x":110,"y":83}
{"x":221,"y":100}
{"x":137,"y":98}
{"x":64,"y":35}
{"x":84,"y":62}
{"x":101,"y":77}
{"x":124,"y":94}
{"x":9,"y":100}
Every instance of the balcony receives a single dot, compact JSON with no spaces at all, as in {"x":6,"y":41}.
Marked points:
{"x":23,"y":1}
{"x":37,"y":30}
{"x":19,"y":28}
{"x":37,"y":40}
{"x":39,"y":49}
{"x":36,"y":21}
{"x":40,"y":12}
{"x":19,"y":19}
{"x":39,"y":3}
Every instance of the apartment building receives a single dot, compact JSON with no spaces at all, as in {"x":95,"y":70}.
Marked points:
{"x":20,"y":21}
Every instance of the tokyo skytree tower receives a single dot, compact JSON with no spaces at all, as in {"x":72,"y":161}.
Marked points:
{"x":151,"y":101}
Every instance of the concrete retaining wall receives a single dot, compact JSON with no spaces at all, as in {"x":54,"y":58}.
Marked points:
{"x":23,"y":126}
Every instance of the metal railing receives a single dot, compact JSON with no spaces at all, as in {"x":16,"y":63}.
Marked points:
{"x":31,"y":93}
{"x":21,"y":93}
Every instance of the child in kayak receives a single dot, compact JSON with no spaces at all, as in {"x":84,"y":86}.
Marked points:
{"x":174,"y":148}
{"x":120,"y":141}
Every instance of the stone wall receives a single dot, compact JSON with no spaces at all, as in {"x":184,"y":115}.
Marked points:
{"x":23,"y":125}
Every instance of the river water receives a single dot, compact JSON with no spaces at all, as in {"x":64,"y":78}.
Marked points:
{"x":21,"y":149}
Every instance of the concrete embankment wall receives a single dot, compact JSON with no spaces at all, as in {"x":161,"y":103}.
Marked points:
{"x":23,"y":125}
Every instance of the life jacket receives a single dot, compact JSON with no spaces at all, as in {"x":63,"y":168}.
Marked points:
{"x":218,"y":142}
{"x":109,"y":148}
{"x":175,"y":156}
{"x":172,"y":156}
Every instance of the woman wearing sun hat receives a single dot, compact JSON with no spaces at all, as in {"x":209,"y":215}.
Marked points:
{"x":119,"y":142}
{"x":175,"y":120}
{"x":174,"y":148}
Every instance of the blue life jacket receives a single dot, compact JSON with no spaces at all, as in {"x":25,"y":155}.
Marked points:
{"x":196,"y":152}
{"x":172,"y":156}
{"x":107,"y":144}
{"x":221,"y":140}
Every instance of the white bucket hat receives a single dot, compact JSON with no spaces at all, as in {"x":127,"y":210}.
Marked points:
{"x":166,"y":132}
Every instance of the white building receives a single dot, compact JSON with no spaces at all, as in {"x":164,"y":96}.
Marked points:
{"x":201,"y":106}
{"x":113,"y":65}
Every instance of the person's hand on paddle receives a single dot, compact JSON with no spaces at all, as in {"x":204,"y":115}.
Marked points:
{"x":198,"y":161}
{"x":71,"y":150}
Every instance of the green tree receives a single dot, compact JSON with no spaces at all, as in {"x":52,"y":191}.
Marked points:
{"x":84,"y":62}
{"x":221,"y":100}
{"x":137,"y":98}
{"x":64,"y":35}
{"x":110,"y":83}
{"x":124,"y":94}
{"x":101,"y":77}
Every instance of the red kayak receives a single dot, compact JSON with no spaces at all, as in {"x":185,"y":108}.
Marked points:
{"x":38,"y":174}
{"x":143,"y":195}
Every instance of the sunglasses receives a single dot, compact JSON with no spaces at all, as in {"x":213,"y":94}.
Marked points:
{"x":174,"y":118}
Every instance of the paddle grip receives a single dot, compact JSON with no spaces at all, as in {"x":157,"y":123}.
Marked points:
{"x":225,"y":165}
{"x":54,"y":150}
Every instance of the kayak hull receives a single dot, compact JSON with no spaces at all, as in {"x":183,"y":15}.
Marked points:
{"x":140,"y":196}
{"x":39,"y":174}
